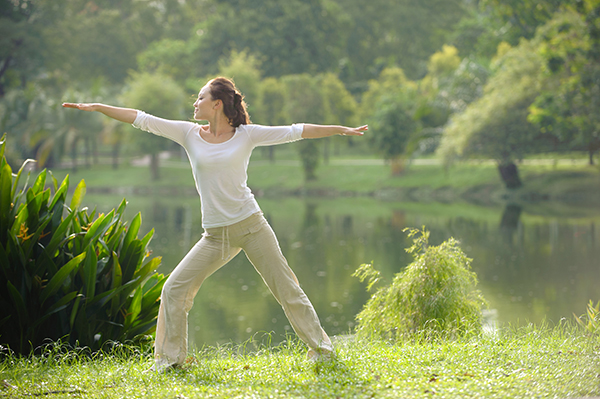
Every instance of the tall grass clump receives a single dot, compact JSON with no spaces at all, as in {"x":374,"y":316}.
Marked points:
{"x":434,"y":294}
{"x":67,"y":273}
{"x":591,"y":320}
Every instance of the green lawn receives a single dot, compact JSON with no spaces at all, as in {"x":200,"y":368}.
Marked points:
{"x":540,"y":362}
{"x":342,"y":177}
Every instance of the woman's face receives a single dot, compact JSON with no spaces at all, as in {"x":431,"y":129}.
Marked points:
{"x":204,"y":106}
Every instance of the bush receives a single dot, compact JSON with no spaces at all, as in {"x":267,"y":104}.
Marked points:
{"x":435,"y":293}
{"x":67,"y":273}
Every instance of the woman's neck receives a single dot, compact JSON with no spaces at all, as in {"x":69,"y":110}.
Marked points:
{"x":220,"y":126}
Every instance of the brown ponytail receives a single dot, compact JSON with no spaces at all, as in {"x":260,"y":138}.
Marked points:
{"x":234,"y":105}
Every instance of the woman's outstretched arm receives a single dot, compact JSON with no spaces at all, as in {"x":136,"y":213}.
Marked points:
{"x":317,"y":131}
{"x":126,"y":115}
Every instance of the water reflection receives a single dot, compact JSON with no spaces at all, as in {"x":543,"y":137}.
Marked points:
{"x":530,"y":267}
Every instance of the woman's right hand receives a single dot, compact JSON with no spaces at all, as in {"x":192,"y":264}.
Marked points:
{"x":82,"y":106}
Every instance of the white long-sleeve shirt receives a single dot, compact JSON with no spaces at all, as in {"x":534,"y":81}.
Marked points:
{"x":220,"y":170}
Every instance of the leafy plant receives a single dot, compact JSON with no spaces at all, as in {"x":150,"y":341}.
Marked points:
{"x":591,"y":320}
{"x":435,"y":293}
{"x":68,"y":273}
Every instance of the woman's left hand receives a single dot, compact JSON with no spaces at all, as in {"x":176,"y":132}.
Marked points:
{"x":355,"y":131}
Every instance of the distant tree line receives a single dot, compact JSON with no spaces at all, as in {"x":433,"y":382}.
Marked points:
{"x":496,"y":79}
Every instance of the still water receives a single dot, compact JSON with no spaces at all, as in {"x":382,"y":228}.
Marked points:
{"x":541,"y":262}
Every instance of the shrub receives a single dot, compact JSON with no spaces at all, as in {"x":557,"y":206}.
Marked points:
{"x":591,"y":320}
{"x":68,"y":273}
{"x":435,"y":293}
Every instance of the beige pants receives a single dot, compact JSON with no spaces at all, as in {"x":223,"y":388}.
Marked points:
{"x":216,"y":247}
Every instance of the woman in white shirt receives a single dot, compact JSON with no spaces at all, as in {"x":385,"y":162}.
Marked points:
{"x":219,"y":153}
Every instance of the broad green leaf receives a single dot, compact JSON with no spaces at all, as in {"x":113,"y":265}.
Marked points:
{"x":20,"y":220}
{"x":54,"y":181}
{"x":147,"y":238}
{"x":18,"y":178}
{"x":132,"y":231}
{"x":4,"y":262}
{"x":59,"y":305}
{"x":133,"y":310}
{"x":148,"y":268}
{"x":141,"y":328}
{"x":34,"y":239}
{"x":2,"y":145}
{"x":117,"y":277}
{"x":78,"y":195}
{"x":121,"y":207}
{"x":59,"y":235}
{"x":59,"y":278}
{"x":5,"y":197}
{"x":152,"y":295}
{"x":40,"y":182}
{"x":61,"y":192}
{"x":115,"y":238}
{"x":74,"y":311}
{"x":131,"y":259}
{"x":34,"y":204}
{"x":20,"y":308}
{"x":98,"y":228}
{"x":89,"y":273}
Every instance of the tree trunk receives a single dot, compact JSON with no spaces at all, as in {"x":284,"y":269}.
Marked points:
{"x":74,"y":156}
{"x":510,"y":175}
{"x":397,"y":165}
{"x":591,"y":155}
{"x":154,"y":167}
{"x":87,"y":152}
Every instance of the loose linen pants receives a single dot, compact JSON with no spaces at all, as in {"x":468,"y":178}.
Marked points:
{"x":216,"y":247}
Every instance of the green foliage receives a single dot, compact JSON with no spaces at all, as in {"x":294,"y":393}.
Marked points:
{"x":244,"y":69}
{"x":82,"y":277}
{"x":305,"y":103}
{"x":389,"y":107}
{"x":158,"y":95}
{"x":495,"y":125}
{"x":435,"y":293}
{"x":591,"y":320}
{"x":568,"y":104}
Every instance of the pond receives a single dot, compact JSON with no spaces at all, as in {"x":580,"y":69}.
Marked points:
{"x":533,"y":264}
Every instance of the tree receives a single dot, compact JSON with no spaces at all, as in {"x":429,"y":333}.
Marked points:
{"x":304,"y":103}
{"x":449,"y":86}
{"x":394,"y":124}
{"x":496,"y":125}
{"x":401,"y":33}
{"x":271,"y":108}
{"x":161,"y":96}
{"x":522,"y":17}
{"x":288,"y":37}
{"x":21,"y":41}
{"x":339,"y":108}
{"x":243,"y":68}
{"x":569,"y":103}
{"x":389,"y":105}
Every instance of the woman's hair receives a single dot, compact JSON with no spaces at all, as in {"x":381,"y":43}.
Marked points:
{"x":234,"y":105}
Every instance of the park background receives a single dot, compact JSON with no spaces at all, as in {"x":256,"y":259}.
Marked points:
{"x":483,"y":126}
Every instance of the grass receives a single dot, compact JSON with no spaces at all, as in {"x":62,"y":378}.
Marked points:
{"x":541,"y":362}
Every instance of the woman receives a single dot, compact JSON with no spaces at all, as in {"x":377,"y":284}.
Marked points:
{"x":219,"y":153}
